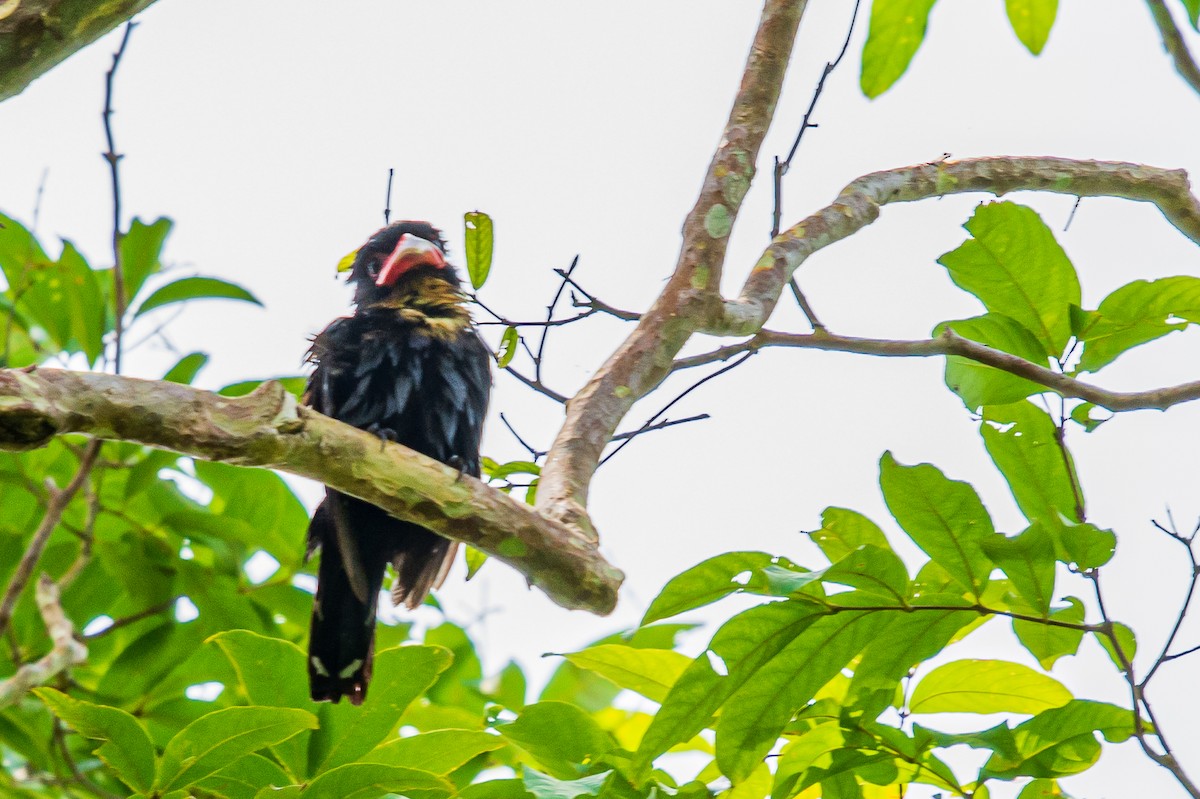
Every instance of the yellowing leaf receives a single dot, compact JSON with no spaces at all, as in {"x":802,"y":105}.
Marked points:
{"x":987,"y":686}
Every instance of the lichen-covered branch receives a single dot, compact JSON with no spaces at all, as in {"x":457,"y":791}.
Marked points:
{"x":268,"y":428}
{"x":65,"y":650}
{"x":1174,"y":44}
{"x":644,"y":359}
{"x":950,"y":343}
{"x":35,"y":35}
{"x":859,"y":204}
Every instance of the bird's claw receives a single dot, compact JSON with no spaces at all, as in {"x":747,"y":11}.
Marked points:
{"x":456,"y":462}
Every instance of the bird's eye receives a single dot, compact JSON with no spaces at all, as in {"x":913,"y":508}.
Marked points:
{"x":373,"y":267}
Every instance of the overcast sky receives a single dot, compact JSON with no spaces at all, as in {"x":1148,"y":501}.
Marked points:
{"x":585,"y":129}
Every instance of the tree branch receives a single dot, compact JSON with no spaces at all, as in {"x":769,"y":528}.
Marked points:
{"x":64,"y":653}
{"x":1174,"y":44}
{"x":36,"y":35}
{"x":644,"y":359}
{"x":267,"y":428}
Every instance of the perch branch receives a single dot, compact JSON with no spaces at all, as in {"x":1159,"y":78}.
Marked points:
{"x":267,"y":428}
{"x":1174,"y":44}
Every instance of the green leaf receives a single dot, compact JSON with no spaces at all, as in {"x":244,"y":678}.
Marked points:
{"x":1047,"y":642}
{"x":438,"y":752}
{"x":978,"y":384}
{"x":650,"y":672}
{"x":195,"y":288}
{"x":1028,"y":560}
{"x":508,"y":347}
{"x":502,"y":471}
{"x":511,"y":687}
{"x":705,"y":583}
{"x":872,"y":570}
{"x":1059,"y":742}
{"x":295,"y":385}
{"x":944,"y":517}
{"x":186,"y":368}
{"x":1023,"y":443}
{"x":348,"y":732}
{"x":479,"y":242}
{"x":561,"y":737}
{"x":897,"y":30}
{"x":843,"y":531}
{"x":141,"y":251}
{"x":543,"y":786}
{"x":475,"y":561}
{"x":127,"y":749}
{"x":1192,"y":7}
{"x":370,"y":780}
{"x":1031,"y":21}
{"x":1042,"y":789}
{"x":1016,"y":268}
{"x":1126,"y":640}
{"x":215,"y":739}
{"x":1135,"y":314}
{"x":1081,"y":414}
{"x":987,"y":686}
{"x":1085,"y":546}
{"x":244,"y":777}
{"x":61,"y":297}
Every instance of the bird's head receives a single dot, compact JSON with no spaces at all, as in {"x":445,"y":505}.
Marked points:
{"x":396,"y":257}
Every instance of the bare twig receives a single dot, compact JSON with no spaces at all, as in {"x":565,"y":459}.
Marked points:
{"x":37,"y":203}
{"x":533,"y":453}
{"x":537,"y":359}
{"x":57,"y":503}
{"x":1174,"y":44}
{"x":65,"y":650}
{"x":660,"y":426}
{"x":387,"y":203}
{"x":538,"y":386}
{"x":595,"y":303}
{"x":113,"y":158}
{"x":133,"y":618}
{"x":1194,"y":578}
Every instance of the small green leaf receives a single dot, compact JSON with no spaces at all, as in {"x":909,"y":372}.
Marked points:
{"x":1031,"y":21}
{"x":1014,"y":265}
{"x":944,"y":517}
{"x":1192,"y":7}
{"x":543,"y":786}
{"x":216,"y":739}
{"x":479,"y":243}
{"x":141,"y":251}
{"x":705,"y":583}
{"x":979,"y":384}
{"x":1127,"y":641}
{"x":502,"y":471}
{"x":508,"y":347}
{"x":1023,"y":442}
{"x":897,"y":30}
{"x":1042,"y":789}
{"x":1082,"y":414}
{"x":295,"y":385}
{"x":650,"y":672}
{"x":438,"y":751}
{"x":370,"y":780}
{"x":127,"y":749}
{"x":1028,"y":560}
{"x":1135,"y":314}
{"x":243,"y":778}
{"x":195,"y":288}
{"x":186,"y":368}
{"x":843,"y":531}
{"x":1084,"y":546}
{"x":987,"y":686}
{"x":1048,"y":642}
{"x":475,"y":560}
{"x":561,"y":737}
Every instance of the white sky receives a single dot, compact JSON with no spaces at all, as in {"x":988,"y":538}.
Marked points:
{"x":266,"y":135}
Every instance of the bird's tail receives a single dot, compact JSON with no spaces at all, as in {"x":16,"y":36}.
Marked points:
{"x":341,"y":641}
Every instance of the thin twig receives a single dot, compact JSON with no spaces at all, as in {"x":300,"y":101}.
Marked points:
{"x":113,"y":159}
{"x":660,"y":426}
{"x":133,"y":618}
{"x":534,"y":453}
{"x":1163,"y":655}
{"x":387,"y":203}
{"x":37,"y":202}
{"x":1174,"y":44}
{"x":537,"y":359}
{"x":538,"y":386}
{"x":594,"y":302}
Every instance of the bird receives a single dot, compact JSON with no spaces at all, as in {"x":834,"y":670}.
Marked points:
{"x":409,"y":366}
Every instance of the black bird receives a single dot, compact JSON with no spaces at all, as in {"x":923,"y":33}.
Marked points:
{"x":410,"y":367}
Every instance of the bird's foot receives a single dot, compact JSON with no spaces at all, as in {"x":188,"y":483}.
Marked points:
{"x":456,"y":462}
{"x":385,"y":434}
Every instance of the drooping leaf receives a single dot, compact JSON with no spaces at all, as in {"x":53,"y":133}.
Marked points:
{"x":141,"y":250}
{"x":1048,"y":642}
{"x":438,"y":751}
{"x":1023,"y":442}
{"x":218,"y":738}
{"x":1028,"y":560}
{"x":650,"y":672}
{"x":195,"y":288}
{"x":475,"y":560}
{"x":560,"y":737}
{"x":127,"y":749}
{"x":705,"y":583}
{"x":1014,"y":265}
{"x":843,"y":531}
{"x":1081,"y":414}
{"x":186,"y":368}
{"x":479,"y":244}
{"x":1135,"y":314}
{"x":944,"y":517}
{"x":1084,"y":546}
{"x":508,"y":347}
{"x":543,"y":786}
{"x":1031,"y":21}
{"x":987,"y":686}
{"x":1059,"y":742}
{"x":897,"y":30}
{"x":1125,"y":639}
{"x":979,"y":384}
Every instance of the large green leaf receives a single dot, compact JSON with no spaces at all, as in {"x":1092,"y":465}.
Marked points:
{"x":979,"y":384}
{"x":543,"y":786}
{"x":987,"y":686}
{"x":897,"y":30}
{"x":1084,"y":546}
{"x":371,"y":780}
{"x":218,"y":738}
{"x":704,"y":583}
{"x":1134,"y":314}
{"x":1060,"y":741}
{"x":245,"y":777}
{"x":127,"y":749}
{"x":843,"y":531}
{"x":560,"y":737}
{"x":944,"y":517}
{"x":1023,"y":442}
{"x":141,"y":251}
{"x":437,"y":751}
{"x":480,"y":241}
{"x":1048,"y":642}
{"x":1016,"y":268}
{"x":195,"y":288}
{"x":1028,"y":560}
{"x":650,"y":672}
{"x":1031,"y":21}
{"x":263,"y":501}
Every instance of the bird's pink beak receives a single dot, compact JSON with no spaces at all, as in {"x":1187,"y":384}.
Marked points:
{"x":411,"y":251}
